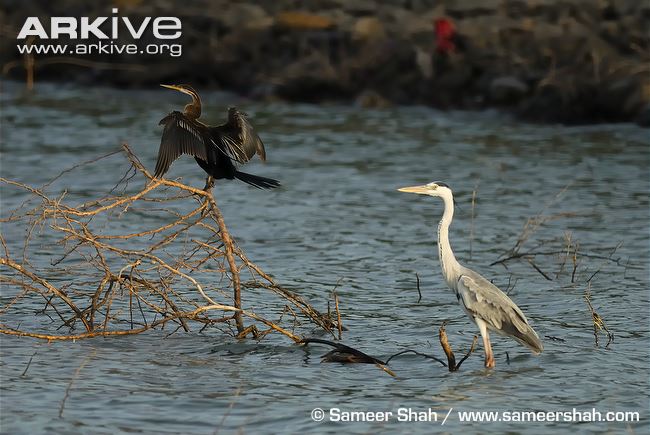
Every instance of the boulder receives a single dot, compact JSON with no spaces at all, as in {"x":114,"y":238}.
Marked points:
{"x":341,"y":20}
{"x":312,"y":79}
{"x":643,"y":118}
{"x":368,"y":29}
{"x":298,"y":20}
{"x":370,"y":99}
{"x":424,"y":62}
{"x":507,"y":90}
{"x":357,"y":8}
{"x":416,"y":28}
{"x":472,"y":8}
{"x":245,"y":16}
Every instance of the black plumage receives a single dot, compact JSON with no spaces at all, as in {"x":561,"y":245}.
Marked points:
{"x":216,"y":149}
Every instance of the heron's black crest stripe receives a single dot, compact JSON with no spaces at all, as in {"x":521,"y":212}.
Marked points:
{"x":440,"y":183}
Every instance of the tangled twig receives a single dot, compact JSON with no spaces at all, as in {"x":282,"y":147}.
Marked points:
{"x":178,"y":268}
{"x":598,"y":322}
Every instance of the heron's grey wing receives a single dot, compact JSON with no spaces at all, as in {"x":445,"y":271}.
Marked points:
{"x":484,"y":300}
{"x":238,"y":139}
{"x":180,"y":136}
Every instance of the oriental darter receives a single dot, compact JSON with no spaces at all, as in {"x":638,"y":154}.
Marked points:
{"x":217,"y":150}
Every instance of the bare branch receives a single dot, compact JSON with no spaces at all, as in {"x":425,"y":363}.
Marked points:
{"x":103,"y":274}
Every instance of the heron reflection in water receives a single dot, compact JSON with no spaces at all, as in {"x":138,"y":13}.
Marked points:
{"x":484,"y":303}
{"x":216,"y":149}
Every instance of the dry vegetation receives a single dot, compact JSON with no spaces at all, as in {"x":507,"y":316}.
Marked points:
{"x":566,"y":256}
{"x":105,"y":279}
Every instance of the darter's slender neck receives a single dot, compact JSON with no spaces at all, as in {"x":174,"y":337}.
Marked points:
{"x":193,"y":110}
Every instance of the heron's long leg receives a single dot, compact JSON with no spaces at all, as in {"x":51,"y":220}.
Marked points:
{"x":489,"y":356}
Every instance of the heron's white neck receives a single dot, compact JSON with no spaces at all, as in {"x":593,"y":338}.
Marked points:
{"x":448,"y":263}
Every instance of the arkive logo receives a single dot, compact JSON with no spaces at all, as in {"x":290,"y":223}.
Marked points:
{"x":101,"y":27}
{"x":100,"y":36}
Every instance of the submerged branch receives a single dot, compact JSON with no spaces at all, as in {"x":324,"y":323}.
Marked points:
{"x":598,"y":322}
{"x":451,"y":358}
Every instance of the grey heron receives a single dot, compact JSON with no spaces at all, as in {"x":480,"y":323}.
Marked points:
{"x":481,"y":300}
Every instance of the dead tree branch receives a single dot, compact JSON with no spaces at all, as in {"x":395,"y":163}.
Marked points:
{"x":178,"y":265}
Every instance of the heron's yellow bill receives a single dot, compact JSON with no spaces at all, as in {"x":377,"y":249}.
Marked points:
{"x":423,"y":190}
{"x":174,"y":87}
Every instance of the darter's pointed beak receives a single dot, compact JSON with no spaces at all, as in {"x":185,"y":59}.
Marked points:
{"x":422,"y":190}
{"x":178,"y":88}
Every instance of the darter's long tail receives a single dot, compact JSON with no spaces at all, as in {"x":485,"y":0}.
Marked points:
{"x":257,"y":181}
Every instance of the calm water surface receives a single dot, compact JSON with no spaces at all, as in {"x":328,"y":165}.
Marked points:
{"x":338,"y":217}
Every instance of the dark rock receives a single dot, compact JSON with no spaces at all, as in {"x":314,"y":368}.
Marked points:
{"x":472,"y":8}
{"x":245,"y":16}
{"x":264,"y":92}
{"x":311,"y":79}
{"x":370,"y":99}
{"x":570,"y":62}
{"x":299,"y":20}
{"x":358,"y":8}
{"x":388,"y":66}
{"x":368,"y":29}
{"x":507,"y":90}
{"x":643,"y":118}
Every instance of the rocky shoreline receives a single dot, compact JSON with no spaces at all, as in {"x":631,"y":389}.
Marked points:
{"x":572,"y":62}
